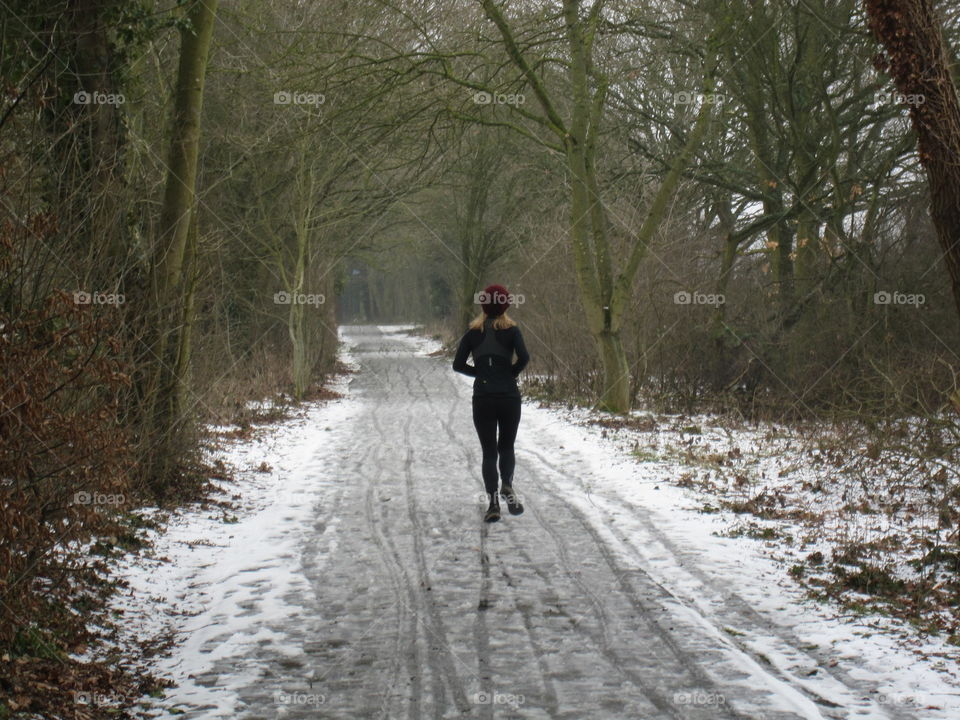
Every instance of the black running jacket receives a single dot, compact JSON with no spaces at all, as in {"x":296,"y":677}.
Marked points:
{"x":493,"y":368}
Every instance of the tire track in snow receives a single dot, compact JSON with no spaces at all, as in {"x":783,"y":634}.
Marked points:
{"x":825,"y":705}
{"x":444,"y":657}
{"x":481,"y":632}
{"x":441,"y":659}
{"x":387,"y":545}
{"x":338,"y":510}
{"x":601,"y":637}
{"x":407,"y":647}
{"x":747,"y":617}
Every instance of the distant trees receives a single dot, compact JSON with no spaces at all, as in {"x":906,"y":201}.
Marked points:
{"x":487,"y":189}
{"x":556,"y":61}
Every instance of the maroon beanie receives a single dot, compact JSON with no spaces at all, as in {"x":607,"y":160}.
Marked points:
{"x":495,"y":300}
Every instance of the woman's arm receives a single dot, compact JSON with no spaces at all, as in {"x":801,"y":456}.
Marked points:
{"x":523,"y":357}
{"x":460,"y":360}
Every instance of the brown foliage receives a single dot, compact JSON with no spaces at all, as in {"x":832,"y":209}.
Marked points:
{"x":63,"y":460}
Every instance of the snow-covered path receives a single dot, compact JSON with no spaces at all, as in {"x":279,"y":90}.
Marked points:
{"x":397,"y":602}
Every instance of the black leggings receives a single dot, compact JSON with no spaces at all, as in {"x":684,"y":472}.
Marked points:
{"x":488,"y":414}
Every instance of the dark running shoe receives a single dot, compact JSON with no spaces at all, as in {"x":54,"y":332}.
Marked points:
{"x":493,"y":512}
{"x":513,"y":502}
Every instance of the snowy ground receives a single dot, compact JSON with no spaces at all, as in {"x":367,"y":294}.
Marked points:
{"x":356,"y":580}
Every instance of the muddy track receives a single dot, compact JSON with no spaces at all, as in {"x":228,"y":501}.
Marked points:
{"x":405,"y":648}
{"x":444,"y":660}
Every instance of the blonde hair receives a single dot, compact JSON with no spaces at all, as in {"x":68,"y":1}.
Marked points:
{"x":500,"y":322}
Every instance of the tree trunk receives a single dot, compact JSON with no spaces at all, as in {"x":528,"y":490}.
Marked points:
{"x":296,"y":324}
{"x":179,"y":194}
{"x":728,"y":256}
{"x":329,"y":341}
{"x":805,"y":254}
{"x":182,"y":369}
{"x":615,"y":393}
{"x":918,"y":60}
{"x":101,"y":137}
{"x":179,"y":205}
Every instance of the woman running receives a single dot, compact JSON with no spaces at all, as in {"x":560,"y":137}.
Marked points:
{"x":493,"y":338}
